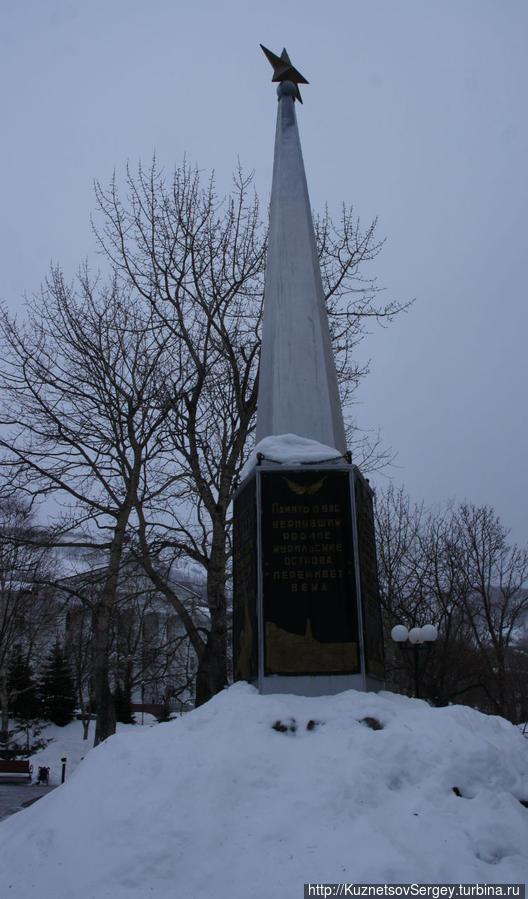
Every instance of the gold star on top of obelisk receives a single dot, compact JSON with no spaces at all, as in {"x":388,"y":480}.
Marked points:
{"x":284,"y":71}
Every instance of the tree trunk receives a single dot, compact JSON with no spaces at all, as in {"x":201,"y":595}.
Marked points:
{"x":4,"y":705}
{"x":211,"y":676}
{"x":85,"y":712}
{"x":106,"y":721}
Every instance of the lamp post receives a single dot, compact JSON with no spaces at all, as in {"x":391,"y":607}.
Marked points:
{"x":416,"y":637}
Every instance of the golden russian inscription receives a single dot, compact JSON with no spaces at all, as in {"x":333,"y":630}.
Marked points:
{"x":308,"y":573}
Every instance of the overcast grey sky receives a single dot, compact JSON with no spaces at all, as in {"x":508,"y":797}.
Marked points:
{"x":415,"y":112}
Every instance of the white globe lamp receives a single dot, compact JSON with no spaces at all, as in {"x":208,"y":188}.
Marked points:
{"x":429,"y":633}
{"x":399,"y":633}
{"x":415,"y":635}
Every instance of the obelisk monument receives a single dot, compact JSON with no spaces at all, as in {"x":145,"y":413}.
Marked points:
{"x":306,"y":614}
{"x":298,"y":391}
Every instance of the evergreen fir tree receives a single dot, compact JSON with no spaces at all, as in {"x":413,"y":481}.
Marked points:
{"x":123,"y":705}
{"x":24,"y":702}
{"x":57,"y":688}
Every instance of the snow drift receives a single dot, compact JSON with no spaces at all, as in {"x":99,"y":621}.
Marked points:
{"x":290,"y":449}
{"x":252,"y":796}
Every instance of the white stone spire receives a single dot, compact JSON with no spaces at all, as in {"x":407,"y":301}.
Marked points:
{"x":298,"y":391}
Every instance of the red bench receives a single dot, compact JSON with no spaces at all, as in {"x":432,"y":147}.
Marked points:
{"x":15,"y":771}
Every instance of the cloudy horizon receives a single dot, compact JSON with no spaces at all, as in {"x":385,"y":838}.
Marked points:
{"x":413,"y":114}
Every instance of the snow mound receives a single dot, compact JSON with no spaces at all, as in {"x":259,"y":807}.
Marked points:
{"x":67,"y":742}
{"x":290,"y":449}
{"x":252,"y":796}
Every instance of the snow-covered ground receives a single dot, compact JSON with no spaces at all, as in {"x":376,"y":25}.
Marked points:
{"x":67,"y":742}
{"x":221,"y":804}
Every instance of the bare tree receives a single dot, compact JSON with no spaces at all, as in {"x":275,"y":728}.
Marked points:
{"x":454,"y":567}
{"x":132,"y":402}
{"x":497,"y":597}
{"x":404,"y":576}
{"x":198,"y":260}
{"x":151,"y":651}
{"x":148,"y":646}
{"x":82,"y":380}
{"x":80,"y":651}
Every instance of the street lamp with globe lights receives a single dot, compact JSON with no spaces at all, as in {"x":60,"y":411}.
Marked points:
{"x":416,"y":636}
